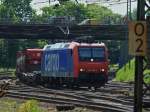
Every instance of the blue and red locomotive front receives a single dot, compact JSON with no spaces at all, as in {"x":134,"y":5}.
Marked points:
{"x":75,"y":63}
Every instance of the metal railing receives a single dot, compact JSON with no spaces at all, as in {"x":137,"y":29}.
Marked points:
{"x":65,"y":21}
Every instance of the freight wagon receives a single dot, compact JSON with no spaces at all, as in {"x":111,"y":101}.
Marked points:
{"x":27,"y":62}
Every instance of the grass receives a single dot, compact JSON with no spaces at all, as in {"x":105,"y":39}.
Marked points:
{"x":113,"y":66}
{"x":7,"y":105}
{"x":10,"y":71}
{"x":30,"y":106}
{"x":126,"y":73}
{"x":7,"y":70}
{"x":12,"y":105}
{"x":147,"y":76}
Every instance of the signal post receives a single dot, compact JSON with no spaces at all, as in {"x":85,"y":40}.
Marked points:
{"x":138,"y":48}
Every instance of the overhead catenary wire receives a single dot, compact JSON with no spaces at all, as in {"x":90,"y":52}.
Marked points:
{"x":49,"y":1}
{"x":118,"y":3}
{"x":108,"y":2}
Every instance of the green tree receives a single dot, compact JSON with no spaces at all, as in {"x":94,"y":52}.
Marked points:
{"x":67,"y":9}
{"x":6,"y":14}
{"x":102,"y":14}
{"x":15,"y":11}
{"x":81,"y":12}
{"x":21,"y":8}
{"x":63,"y":1}
{"x":134,"y":14}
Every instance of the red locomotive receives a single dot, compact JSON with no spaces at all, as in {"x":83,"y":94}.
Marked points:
{"x":90,"y":63}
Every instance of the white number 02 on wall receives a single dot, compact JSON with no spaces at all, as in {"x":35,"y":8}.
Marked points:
{"x":137,"y":38}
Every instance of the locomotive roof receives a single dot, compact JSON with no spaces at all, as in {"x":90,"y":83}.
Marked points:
{"x":47,"y":47}
{"x":90,"y":44}
{"x":36,"y":49}
{"x":63,"y":45}
{"x":56,"y":46}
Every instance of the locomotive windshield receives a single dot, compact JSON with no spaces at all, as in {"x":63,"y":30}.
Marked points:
{"x":95,"y":53}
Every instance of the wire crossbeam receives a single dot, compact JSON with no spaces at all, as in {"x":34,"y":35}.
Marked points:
{"x":147,"y":88}
{"x":147,"y":5}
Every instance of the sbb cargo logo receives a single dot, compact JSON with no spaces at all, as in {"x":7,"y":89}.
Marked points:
{"x":51,"y":62}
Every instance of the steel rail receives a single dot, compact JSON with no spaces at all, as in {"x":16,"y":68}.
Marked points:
{"x":82,"y":103}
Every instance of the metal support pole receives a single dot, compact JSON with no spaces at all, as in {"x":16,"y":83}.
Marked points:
{"x":138,"y":87}
{"x":130,"y":16}
{"x":127,"y":8}
{"x":49,"y":2}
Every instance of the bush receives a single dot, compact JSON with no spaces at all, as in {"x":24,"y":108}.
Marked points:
{"x":30,"y":106}
{"x":126,"y":73}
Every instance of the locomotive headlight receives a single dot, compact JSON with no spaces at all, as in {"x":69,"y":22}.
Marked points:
{"x":81,"y":70}
{"x":38,"y":54}
{"x":102,"y":70}
{"x":92,"y":60}
{"x":35,"y":62}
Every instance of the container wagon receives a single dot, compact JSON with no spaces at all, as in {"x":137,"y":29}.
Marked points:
{"x":28,"y":63}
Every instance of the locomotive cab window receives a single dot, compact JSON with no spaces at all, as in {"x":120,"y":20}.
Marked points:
{"x":84,"y":54}
{"x":98,"y":54}
{"x":95,"y":53}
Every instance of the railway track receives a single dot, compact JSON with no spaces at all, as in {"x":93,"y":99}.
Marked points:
{"x":6,"y":77}
{"x":106,"y":99}
{"x":84,"y":96}
{"x":81,"y":98}
{"x":77,"y":101}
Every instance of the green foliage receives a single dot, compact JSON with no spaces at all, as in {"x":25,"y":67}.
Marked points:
{"x":30,"y":106}
{"x":31,"y":43}
{"x":67,"y":9}
{"x":134,"y":14}
{"x":12,"y":105}
{"x":6,"y":14}
{"x":20,"y":8}
{"x":9,"y":48}
{"x":80,"y":12}
{"x":41,"y":43}
{"x":97,"y":12}
{"x":126,"y":73}
{"x":7,"y":105}
{"x":147,"y":76}
{"x":113,"y":50}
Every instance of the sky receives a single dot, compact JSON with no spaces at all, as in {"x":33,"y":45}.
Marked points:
{"x":116,"y":8}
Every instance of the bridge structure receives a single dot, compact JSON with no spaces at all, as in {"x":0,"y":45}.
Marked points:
{"x":46,"y":31}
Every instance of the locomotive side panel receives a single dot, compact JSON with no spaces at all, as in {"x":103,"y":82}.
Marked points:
{"x":75,"y":62}
{"x":57,"y":63}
